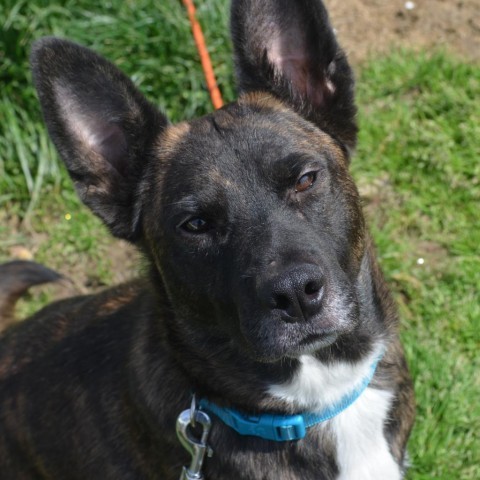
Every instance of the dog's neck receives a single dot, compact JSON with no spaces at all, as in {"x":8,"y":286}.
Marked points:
{"x":342,"y":385}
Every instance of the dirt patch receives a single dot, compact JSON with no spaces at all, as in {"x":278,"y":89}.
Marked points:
{"x":83,"y":273}
{"x":368,"y":27}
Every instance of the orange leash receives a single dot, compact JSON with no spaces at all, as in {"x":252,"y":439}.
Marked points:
{"x":212,"y":86}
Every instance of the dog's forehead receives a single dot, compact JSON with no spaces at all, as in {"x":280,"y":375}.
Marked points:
{"x":248,"y":136}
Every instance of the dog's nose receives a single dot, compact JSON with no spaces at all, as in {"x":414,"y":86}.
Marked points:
{"x":297,"y":293}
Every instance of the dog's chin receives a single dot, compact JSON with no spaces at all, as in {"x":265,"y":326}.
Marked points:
{"x":271,"y":353}
{"x":312,"y":344}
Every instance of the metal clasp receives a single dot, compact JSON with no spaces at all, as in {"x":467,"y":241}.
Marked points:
{"x":197,"y":448}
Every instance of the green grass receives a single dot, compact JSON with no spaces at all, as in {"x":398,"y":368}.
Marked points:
{"x":417,"y":165}
{"x":419,"y":145}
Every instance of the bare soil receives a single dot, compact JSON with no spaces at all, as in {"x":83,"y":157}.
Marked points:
{"x":371,"y":27}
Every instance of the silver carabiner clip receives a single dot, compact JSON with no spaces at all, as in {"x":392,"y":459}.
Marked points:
{"x":197,"y":448}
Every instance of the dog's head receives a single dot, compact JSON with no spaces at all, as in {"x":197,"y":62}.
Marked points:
{"x":249,"y":215}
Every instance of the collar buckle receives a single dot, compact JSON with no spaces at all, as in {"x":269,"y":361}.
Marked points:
{"x":294,"y":430}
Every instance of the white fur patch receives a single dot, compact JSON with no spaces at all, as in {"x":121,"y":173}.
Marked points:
{"x":317,"y":386}
{"x":362,"y":450}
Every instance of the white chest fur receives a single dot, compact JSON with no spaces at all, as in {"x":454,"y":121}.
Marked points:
{"x":362,"y":450}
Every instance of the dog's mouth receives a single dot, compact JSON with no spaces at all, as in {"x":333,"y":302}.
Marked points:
{"x":271,"y":338}
{"x":316,"y":342}
{"x":274,"y":347}
{"x":311,"y":344}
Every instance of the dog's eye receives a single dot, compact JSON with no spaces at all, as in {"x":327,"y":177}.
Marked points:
{"x":195,"y":225}
{"x":305,"y":181}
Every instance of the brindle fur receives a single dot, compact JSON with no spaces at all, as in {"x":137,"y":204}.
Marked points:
{"x":91,"y":386}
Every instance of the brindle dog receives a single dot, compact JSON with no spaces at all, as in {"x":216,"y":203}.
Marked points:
{"x":263,"y":292}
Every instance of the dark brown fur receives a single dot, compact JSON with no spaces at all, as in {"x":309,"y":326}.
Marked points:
{"x":247,"y":270}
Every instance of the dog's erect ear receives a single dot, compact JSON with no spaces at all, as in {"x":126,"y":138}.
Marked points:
{"x":101,"y":125}
{"x":288,"y":48}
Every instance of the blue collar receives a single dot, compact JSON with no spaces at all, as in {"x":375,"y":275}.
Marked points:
{"x":283,"y":428}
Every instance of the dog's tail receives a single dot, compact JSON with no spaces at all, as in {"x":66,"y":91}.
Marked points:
{"x":16,"y":277}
